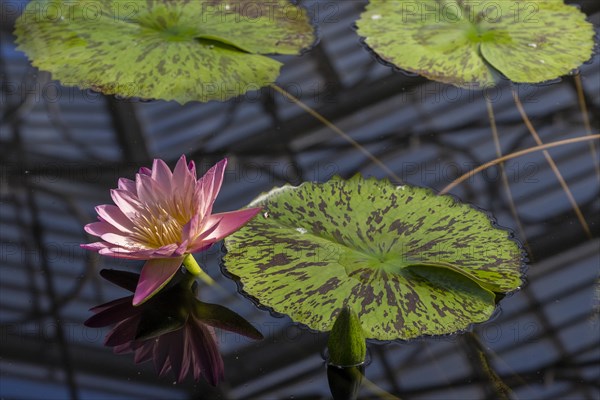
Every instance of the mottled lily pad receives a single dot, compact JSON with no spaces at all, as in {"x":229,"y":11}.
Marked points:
{"x":465,"y":43}
{"x":407,"y":261}
{"x":163,"y":49}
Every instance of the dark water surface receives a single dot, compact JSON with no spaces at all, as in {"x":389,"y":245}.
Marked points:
{"x":62,"y":149}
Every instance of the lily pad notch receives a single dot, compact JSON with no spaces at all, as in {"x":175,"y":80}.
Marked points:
{"x":163,"y":49}
{"x":406,"y":261}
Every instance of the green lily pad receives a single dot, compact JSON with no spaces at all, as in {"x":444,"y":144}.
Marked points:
{"x":406,"y":261}
{"x":163,"y":49}
{"x":465,"y":43}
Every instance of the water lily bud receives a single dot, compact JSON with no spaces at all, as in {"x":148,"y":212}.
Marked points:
{"x":346,"y":344}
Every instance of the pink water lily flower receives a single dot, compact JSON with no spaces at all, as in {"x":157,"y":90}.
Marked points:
{"x":162,"y":217}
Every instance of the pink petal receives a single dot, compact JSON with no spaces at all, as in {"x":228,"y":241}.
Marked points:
{"x":114,"y":216}
{"x":208,"y":187}
{"x":207,"y":354}
{"x":110,"y":304}
{"x":149,"y":191}
{"x":183,"y":178}
{"x":119,"y":239}
{"x":136,"y":344}
{"x":183,"y":185}
{"x":119,"y":252}
{"x":126,"y":244}
{"x":123,"y":348}
{"x":133,"y":250}
{"x":123,"y":332}
{"x":192,"y":168}
{"x":156,"y":273}
{"x":145,"y":171}
{"x":144,"y":353}
{"x":195,"y":361}
{"x":127,"y":185}
{"x":181,"y":163}
{"x":182,"y":249}
{"x":166,"y":369}
{"x":100,"y":228}
{"x":229,"y":222}
{"x":162,"y":175}
{"x":179,"y":356}
{"x":140,"y":253}
{"x":129,"y":204}
{"x":190,"y":230}
{"x":208,"y":228}
{"x":200,"y":244}
{"x":96,"y":246}
{"x":166,"y":251}
{"x":117,"y":312}
{"x":161,"y":352}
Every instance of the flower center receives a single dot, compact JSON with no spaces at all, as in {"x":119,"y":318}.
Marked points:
{"x":156,"y":227}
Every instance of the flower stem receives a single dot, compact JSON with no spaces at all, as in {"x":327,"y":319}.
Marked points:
{"x":194,"y":268}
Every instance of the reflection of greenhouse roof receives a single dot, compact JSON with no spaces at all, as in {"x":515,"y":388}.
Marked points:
{"x":62,"y":149}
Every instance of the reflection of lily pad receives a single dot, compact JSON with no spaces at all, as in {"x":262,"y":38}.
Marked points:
{"x":407,"y":261}
{"x":456,"y":41}
{"x":168,"y":49}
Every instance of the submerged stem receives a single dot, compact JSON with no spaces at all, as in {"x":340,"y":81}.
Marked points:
{"x":501,"y":389}
{"x":506,"y":184}
{"x":586,"y":121}
{"x":190,"y":263}
{"x":552,"y":164}
{"x":337,"y":130}
{"x":378,"y":392}
{"x":510,"y":156}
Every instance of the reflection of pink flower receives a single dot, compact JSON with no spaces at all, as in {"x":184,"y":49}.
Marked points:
{"x":191,"y":349}
{"x":161,"y":217}
{"x":173,"y":328}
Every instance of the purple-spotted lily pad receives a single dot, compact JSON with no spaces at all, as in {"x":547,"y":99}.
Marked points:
{"x":407,"y":261}
{"x":163,"y":49}
{"x":465,"y":43}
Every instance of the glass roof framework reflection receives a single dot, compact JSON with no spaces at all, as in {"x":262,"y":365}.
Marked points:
{"x":62,"y":149}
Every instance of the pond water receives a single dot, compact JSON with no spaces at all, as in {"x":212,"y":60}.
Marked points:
{"x":62,"y":149}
